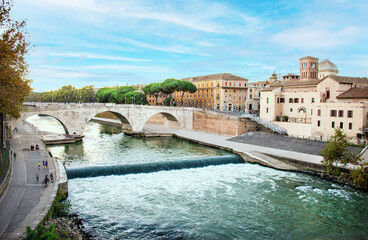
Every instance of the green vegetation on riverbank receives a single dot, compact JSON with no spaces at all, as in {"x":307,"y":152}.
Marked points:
{"x":58,"y":224}
{"x":336,"y":151}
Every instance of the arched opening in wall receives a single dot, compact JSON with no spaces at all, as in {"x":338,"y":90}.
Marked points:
{"x":250,"y":107}
{"x":230,"y":107}
{"x":302,"y":115}
{"x":46,"y":124}
{"x":108,"y":122}
{"x":218,"y":106}
{"x":160,"y":123}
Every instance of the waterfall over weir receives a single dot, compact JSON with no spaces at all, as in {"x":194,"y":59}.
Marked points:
{"x":95,"y":171}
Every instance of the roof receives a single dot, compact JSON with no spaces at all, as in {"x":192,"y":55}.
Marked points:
{"x":219,"y":76}
{"x":309,"y":57}
{"x":328,"y":66}
{"x":291,"y":74}
{"x":356,"y":92}
{"x":313,"y":82}
{"x":362,"y":82}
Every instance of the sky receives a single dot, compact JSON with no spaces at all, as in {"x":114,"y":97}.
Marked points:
{"x":126,"y":42}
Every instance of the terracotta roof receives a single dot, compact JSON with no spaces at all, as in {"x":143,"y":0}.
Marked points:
{"x":356,"y":92}
{"x":219,"y":76}
{"x":313,"y":82}
{"x":353,"y":80}
{"x":309,"y":57}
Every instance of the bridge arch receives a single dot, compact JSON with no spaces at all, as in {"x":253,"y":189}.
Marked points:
{"x":24,"y":117}
{"x":162,"y":118}
{"x":126,"y":124}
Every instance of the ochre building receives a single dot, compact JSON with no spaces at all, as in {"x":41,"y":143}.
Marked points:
{"x":223,"y":91}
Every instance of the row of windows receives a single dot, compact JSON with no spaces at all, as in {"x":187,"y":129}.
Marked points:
{"x":218,"y":84}
{"x":333,"y":125}
{"x":292,"y":100}
{"x":333,"y":113}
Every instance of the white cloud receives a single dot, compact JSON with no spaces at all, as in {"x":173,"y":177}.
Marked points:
{"x":95,"y":56}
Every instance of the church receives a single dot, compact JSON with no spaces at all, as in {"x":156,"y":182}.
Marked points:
{"x":314,"y":103}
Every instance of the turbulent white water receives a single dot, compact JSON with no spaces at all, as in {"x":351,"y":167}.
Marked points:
{"x":235,"y":201}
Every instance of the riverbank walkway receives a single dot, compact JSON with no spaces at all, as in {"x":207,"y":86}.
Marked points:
{"x":26,"y":202}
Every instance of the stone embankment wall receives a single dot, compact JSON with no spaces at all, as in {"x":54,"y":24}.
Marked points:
{"x":213,"y":122}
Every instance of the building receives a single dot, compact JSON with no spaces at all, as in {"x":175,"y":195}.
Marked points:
{"x":253,"y":96}
{"x":311,"y":106}
{"x":223,"y":91}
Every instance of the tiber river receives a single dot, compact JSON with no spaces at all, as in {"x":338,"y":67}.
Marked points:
{"x":231,"y":201}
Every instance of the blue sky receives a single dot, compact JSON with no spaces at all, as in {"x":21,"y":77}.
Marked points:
{"x":118,"y":42}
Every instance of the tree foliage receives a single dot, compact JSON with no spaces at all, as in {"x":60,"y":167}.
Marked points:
{"x":336,"y":150}
{"x":68,"y":94}
{"x":14,"y":86}
{"x":168,"y":87}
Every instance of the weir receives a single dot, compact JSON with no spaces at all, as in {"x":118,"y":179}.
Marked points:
{"x":95,"y":171}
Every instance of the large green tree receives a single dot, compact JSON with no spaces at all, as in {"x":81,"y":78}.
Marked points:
{"x":14,"y":85}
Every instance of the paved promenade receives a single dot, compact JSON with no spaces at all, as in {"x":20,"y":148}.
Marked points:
{"x":26,"y":202}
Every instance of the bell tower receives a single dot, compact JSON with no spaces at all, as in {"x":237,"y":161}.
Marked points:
{"x":308,"y":68}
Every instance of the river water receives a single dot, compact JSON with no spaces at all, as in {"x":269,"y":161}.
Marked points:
{"x":232,"y":201}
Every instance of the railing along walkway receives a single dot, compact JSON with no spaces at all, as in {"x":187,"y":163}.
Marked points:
{"x":267,"y":124}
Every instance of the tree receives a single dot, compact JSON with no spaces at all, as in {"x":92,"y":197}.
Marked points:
{"x":122,"y":91}
{"x":100,"y":95}
{"x":185,"y":86}
{"x":336,"y":151}
{"x":14,"y":86}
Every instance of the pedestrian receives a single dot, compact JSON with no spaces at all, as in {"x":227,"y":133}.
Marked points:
{"x":46,"y":164}
{"x":37,"y":147}
{"x":37,"y":177}
{"x":52,"y":177}
{"x":15,"y":156}
{"x":46,"y":180}
{"x":43,"y":164}
{"x":39,"y":165}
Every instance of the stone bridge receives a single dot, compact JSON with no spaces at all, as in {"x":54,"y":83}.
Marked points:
{"x":75,"y":117}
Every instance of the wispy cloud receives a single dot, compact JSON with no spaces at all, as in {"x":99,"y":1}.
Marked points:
{"x":95,"y":56}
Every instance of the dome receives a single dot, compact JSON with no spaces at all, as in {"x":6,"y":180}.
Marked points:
{"x":327,"y":66}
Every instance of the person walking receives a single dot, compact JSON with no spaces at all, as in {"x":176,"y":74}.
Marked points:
{"x":43,"y":164}
{"x":15,"y":156}
{"x":52,"y":177}
{"x":37,"y":177}
{"x":46,"y":164}
{"x":39,"y":165}
{"x":46,"y":180}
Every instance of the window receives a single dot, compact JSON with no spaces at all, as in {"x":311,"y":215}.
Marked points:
{"x":328,"y":94}
{"x":333,"y":124}
{"x":291,"y":110}
{"x":318,"y":123}
{"x":225,"y":83}
{"x":290,"y":100}
{"x":302,"y":100}
{"x":282,"y":100}
{"x":250,"y":96}
{"x":312,"y":100}
{"x":267,"y":100}
{"x":278,"y":100}
{"x":341,"y":113}
{"x":239,"y":84}
{"x":341,"y":125}
{"x":333,"y":113}
{"x":350,"y":114}
{"x":319,"y":112}
{"x":350,"y":126}
{"x":296,"y":100}
{"x":266,"y":110}
{"x":311,"y":111}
